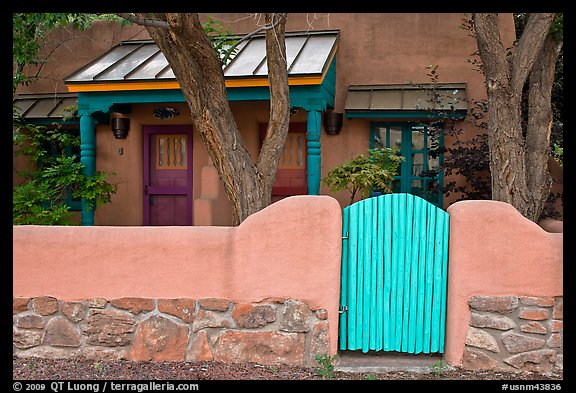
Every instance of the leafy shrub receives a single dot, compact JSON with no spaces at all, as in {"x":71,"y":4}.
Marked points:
{"x":366,"y":173}
{"x":43,"y":198}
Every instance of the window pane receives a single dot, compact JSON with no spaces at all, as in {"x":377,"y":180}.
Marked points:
{"x":433,"y":135}
{"x":395,"y":141}
{"x":417,"y":138}
{"x":380,"y":137}
{"x":416,"y":187}
{"x":433,"y":163}
{"x":417,"y":164}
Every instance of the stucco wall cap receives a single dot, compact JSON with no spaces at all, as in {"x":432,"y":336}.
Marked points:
{"x":488,"y":211}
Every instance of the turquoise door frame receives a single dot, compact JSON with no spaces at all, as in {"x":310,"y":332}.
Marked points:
{"x":314,"y":99}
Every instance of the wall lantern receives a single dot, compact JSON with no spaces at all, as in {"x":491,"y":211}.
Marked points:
{"x":120,"y":127}
{"x":333,"y":122}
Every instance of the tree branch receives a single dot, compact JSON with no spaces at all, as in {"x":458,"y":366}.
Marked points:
{"x":279,"y":116}
{"x":490,"y":47}
{"x":527,"y":48}
{"x":146,"y":22}
{"x":252,"y":34}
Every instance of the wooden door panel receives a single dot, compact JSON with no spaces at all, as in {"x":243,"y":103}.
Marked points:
{"x":291,"y":176}
{"x":167,"y":175}
{"x":167,"y":210}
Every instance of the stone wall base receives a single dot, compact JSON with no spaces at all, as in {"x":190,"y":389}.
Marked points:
{"x":512,"y":333}
{"x":272,"y":331}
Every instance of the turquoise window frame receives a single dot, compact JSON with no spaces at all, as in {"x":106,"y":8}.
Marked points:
{"x":404,"y":181}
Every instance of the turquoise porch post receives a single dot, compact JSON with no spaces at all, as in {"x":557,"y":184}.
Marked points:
{"x":313,"y":157}
{"x":88,"y":159}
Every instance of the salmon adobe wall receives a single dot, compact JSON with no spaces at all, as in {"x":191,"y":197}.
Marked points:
{"x":495,"y":253}
{"x":273,"y":331}
{"x":290,"y":250}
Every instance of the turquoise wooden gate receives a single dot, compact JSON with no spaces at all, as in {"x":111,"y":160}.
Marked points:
{"x":394,"y":272}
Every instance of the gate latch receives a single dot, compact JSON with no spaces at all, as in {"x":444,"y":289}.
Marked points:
{"x":342,"y":309}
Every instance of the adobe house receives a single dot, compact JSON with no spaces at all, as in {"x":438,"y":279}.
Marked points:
{"x":367,"y":72}
{"x":371,"y":68}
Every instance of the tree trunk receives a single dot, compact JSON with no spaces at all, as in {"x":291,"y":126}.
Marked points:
{"x":540,"y":125}
{"x":279,"y":118}
{"x":199,"y":73}
{"x":505,"y":78}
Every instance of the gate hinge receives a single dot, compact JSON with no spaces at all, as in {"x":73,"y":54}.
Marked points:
{"x":342,"y":309}
{"x":345,"y":236}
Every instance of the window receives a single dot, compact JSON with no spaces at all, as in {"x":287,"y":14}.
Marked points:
{"x":420,"y":144}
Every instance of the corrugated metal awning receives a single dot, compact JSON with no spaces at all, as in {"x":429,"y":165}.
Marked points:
{"x":46,"y":106}
{"x":308,"y":55}
{"x":406,"y":97}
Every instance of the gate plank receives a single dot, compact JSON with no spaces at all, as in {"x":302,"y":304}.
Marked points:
{"x":360,"y":277}
{"x":400,"y":214}
{"x":374,"y":262}
{"x":367,"y":268}
{"x":396,"y":240}
{"x":387,"y":274}
{"x":344,"y":281}
{"x":408,"y":220}
{"x":444,"y":281}
{"x":423,"y":217}
{"x":379,"y":254}
{"x":437,"y":288}
{"x":352,"y":275}
{"x":429,"y":278}
{"x":414,"y":277}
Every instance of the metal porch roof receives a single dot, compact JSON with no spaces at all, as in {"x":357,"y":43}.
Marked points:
{"x":308,"y":54}
{"x":45,"y":106}
{"x":402,"y":97}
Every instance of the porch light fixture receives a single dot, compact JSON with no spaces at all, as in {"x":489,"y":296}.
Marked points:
{"x":333,"y":122}
{"x":120,"y":127}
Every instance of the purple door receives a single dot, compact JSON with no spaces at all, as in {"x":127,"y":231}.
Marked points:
{"x":168,"y":175}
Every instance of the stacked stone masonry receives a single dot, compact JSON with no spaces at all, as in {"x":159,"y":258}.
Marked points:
{"x":273,"y":331}
{"x":515,"y":333}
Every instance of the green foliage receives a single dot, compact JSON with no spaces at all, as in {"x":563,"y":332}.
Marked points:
{"x":366,"y":173}
{"x":558,"y":154}
{"x":44,"y":195}
{"x":439,"y":368}
{"x":222,"y":39}
{"x":274,"y":369}
{"x":29,"y":32}
{"x":327,"y":363}
{"x":557,"y":28}
{"x":469,"y":158}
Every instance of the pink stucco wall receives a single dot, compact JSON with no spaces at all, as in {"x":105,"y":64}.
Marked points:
{"x":495,"y":251}
{"x":289,"y":250}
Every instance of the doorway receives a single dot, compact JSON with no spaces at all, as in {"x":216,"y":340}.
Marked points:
{"x":168,"y":175}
